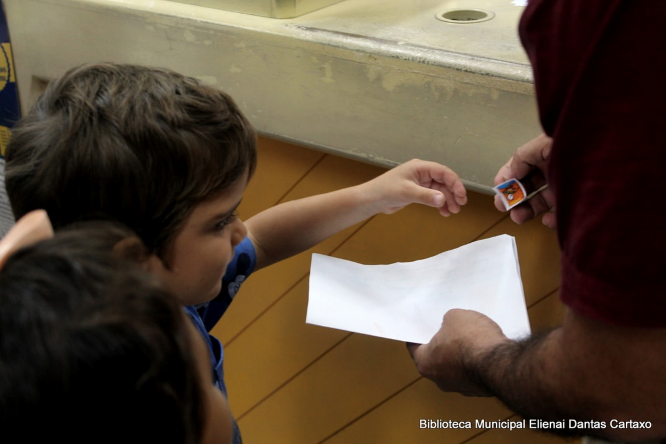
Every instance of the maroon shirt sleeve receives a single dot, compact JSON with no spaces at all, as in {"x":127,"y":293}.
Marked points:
{"x":600,"y":81}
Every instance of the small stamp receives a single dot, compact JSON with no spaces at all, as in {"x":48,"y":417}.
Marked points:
{"x":512,"y":193}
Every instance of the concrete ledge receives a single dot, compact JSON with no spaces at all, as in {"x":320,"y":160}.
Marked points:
{"x":381,"y":81}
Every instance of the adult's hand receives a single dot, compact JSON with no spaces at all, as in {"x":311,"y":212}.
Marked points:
{"x":464,"y":336}
{"x":529,"y":164}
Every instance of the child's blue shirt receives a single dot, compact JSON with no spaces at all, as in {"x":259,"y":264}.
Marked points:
{"x":205,"y":316}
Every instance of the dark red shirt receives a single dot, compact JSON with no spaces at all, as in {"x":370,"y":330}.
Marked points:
{"x":600,"y":81}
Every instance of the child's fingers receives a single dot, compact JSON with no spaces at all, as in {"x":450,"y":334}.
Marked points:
{"x":432,"y":184}
{"x":31,"y":228}
{"x":455,"y":197}
{"x":427,"y":196}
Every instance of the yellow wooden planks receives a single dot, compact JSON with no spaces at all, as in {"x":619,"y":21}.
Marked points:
{"x":546,"y":314}
{"x":277,"y":347}
{"x":345,"y":383}
{"x":519,"y":436}
{"x":398,"y":420}
{"x":280,"y":166}
{"x":417,"y":232}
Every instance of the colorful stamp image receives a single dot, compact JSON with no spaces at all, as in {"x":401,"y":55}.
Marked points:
{"x":512,"y":193}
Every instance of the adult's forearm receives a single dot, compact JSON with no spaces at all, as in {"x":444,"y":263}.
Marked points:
{"x":604,"y":380}
{"x":523,"y":376}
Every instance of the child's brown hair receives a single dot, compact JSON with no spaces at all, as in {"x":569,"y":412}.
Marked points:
{"x":126,"y":143}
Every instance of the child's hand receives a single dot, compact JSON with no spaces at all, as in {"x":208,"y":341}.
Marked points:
{"x":418,"y":181}
{"x":292,"y":227}
{"x":31,"y":228}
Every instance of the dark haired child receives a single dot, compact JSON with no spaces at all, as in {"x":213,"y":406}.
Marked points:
{"x":95,"y":350}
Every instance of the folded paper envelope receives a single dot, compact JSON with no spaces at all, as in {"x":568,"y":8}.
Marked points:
{"x":406,"y":301}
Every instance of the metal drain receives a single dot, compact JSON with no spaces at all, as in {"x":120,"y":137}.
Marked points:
{"x":465,"y":16}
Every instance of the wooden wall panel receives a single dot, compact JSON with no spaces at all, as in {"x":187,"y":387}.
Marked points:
{"x":280,"y":166}
{"x":398,"y":419}
{"x":277,"y":347}
{"x":418,"y":232}
{"x":345,"y":383}
{"x":519,"y":436}
{"x":547,"y":313}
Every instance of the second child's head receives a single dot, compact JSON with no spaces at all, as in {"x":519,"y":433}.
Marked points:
{"x":157,"y":151}
{"x":90,"y":342}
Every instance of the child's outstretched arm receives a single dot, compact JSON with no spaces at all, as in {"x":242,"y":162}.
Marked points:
{"x":292,"y":227}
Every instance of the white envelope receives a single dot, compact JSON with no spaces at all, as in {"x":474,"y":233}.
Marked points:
{"x":406,"y":301}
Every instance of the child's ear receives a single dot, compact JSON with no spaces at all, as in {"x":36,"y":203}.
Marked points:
{"x":153,"y":264}
{"x":31,"y":228}
{"x":133,"y":249}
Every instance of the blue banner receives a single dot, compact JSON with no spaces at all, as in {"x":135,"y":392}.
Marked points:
{"x":10,"y":110}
